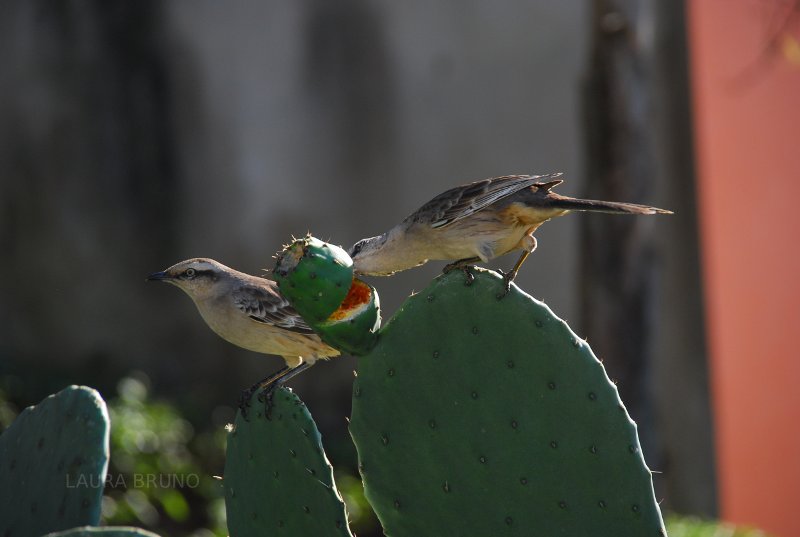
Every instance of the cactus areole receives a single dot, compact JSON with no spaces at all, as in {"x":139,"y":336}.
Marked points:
{"x":317,"y":278}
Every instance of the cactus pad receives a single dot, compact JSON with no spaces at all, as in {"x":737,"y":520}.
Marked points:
{"x":53,"y":461}
{"x":479,"y":416}
{"x":277,"y":478}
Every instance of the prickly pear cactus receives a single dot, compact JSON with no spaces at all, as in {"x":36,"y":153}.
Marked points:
{"x":277,"y":478}
{"x":53,"y":461}
{"x":106,"y":531}
{"x":317,"y":278}
{"x":479,"y":416}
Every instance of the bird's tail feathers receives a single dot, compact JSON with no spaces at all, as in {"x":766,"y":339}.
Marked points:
{"x":575,"y":204}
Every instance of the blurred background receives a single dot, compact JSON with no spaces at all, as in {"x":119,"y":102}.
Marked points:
{"x":137,"y":134}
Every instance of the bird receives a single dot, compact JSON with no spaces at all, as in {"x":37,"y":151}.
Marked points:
{"x":478,"y":221}
{"x":251,"y":313}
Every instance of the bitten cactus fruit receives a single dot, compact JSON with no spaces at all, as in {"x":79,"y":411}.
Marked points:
{"x":317,"y":278}
{"x":277,"y":478}
{"x":479,"y":416}
{"x":53,"y":461}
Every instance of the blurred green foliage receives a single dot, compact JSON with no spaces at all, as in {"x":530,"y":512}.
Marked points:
{"x":7,"y":410}
{"x":678,"y":526}
{"x":362,"y":518}
{"x":161,"y":474}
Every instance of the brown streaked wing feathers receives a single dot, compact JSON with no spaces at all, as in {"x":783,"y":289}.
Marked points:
{"x":269,"y":307}
{"x":462,"y":201}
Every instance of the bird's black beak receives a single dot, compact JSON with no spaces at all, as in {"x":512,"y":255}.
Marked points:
{"x":158,"y":276}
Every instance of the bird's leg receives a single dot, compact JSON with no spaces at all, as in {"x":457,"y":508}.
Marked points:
{"x":268,"y":388}
{"x":244,"y":399}
{"x":528,"y":246}
{"x":465,"y":265}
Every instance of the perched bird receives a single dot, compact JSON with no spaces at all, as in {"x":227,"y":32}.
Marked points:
{"x":477,"y":222}
{"x":251,"y":313}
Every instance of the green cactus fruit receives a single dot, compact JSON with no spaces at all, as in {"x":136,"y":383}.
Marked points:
{"x":475,"y":415}
{"x":53,"y":461}
{"x":317,"y":278}
{"x":353,"y":328}
{"x":105,"y":531}
{"x":277,"y":478}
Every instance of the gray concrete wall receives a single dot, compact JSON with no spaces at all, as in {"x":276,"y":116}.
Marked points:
{"x":297,"y":116}
{"x":294,"y":116}
{"x":133,"y":135}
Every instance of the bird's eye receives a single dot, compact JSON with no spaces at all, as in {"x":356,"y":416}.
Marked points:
{"x":356,"y":248}
{"x":190,"y":273}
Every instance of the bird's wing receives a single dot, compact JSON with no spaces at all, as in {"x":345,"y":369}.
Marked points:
{"x":462,"y":201}
{"x":268,"y":306}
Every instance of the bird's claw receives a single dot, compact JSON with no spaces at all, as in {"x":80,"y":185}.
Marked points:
{"x":465,"y":268}
{"x":468,"y":273}
{"x":265,"y":396}
{"x":508,"y":277}
{"x":244,"y":402}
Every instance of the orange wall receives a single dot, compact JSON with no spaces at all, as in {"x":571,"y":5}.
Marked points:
{"x":747,"y":128}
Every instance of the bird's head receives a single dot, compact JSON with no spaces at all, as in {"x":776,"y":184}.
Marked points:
{"x":362,"y":248}
{"x":196,"y":277}
{"x":376,"y":257}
